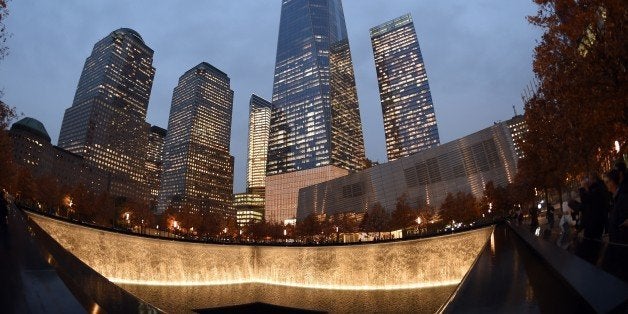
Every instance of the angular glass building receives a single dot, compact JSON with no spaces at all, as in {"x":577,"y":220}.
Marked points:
{"x":316,"y":119}
{"x":198,"y":169}
{"x":409,"y":118}
{"x":259,"y":129}
{"x":106,"y":122}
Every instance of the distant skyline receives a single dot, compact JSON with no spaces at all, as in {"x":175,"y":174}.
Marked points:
{"x":478,"y":56}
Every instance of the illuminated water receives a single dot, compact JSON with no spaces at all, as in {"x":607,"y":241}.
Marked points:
{"x":330,"y":277}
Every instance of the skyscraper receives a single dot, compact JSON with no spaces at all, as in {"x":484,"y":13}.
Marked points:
{"x":409,"y":118}
{"x":316,"y":119}
{"x":106,"y":122}
{"x":155,"y":149}
{"x":198,"y":169}
{"x":259,"y":128}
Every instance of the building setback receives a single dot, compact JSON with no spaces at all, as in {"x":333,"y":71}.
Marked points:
{"x":197,"y":166}
{"x":465,"y":164}
{"x":260,"y":112}
{"x":409,"y":118}
{"x":106,"y":122}
{"x":316,"y":120}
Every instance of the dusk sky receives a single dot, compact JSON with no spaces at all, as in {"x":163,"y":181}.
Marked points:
{"x":478,"y":56}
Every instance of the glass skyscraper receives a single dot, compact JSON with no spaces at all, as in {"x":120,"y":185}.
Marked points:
{"x":409,"y":118}
{"x":198,"y":169}
{"x":106,"y":122}
{"x":155,"y":149}
{"x":259,"y":128}
{"x":316,"y":120}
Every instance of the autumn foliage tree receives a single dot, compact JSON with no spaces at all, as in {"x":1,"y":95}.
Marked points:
{"x":460,"y":207}
{"x":579,"y":108}
{"x":404,"y":215}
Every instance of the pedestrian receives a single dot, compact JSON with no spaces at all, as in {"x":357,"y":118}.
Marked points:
{"x":550,"y":215}
{"x":595,"y":206}
{"x":594,"y":213}
{"x":618,"y":222}
{"x":617,"y":251}
{"x":566,"y":223}
{"x":621,"y":168}
{"x":534,"y":219}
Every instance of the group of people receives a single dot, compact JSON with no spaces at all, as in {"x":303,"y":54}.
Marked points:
{"x":604,"y":205}
{"x":600,"y":205}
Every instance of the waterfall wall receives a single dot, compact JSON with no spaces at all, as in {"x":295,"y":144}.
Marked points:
{"x":130,"y":259}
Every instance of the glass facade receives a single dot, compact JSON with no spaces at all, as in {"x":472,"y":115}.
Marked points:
{"x":518,"y":128}
{"x":106,"y":122}
{"x":198,"y":169}
{"x":259,"y":128}
{"x":316,"y":120}
{"x":153,"y":161}
{"x":409,"y":118}
{"x":425,"y":178}
{"x":249,"y":208}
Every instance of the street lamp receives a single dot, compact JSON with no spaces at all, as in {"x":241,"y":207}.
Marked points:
{"x":617,"y":147}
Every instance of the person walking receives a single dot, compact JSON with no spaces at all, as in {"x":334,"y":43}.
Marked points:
{"x":566,"y":223}
{"x":594,"y":214}
{"x":618,"y":218}
{"x":617,"y":250}
{"x":550,"y":215}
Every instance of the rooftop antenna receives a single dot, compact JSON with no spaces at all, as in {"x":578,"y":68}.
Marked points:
{"x":514,"y":109}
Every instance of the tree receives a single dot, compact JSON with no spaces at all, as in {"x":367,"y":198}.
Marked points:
{"x":309,"y":226}
{"x":8,"y":168}
{"x":460,"y":207}
{"x":497,"y":199}
{"x":49,"y":192}
{"x":376,"y":219}
{"x":404,"y":215}
{"x":579,"y":108}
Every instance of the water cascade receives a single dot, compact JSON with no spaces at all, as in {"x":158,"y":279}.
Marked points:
{"x":136,"y":260}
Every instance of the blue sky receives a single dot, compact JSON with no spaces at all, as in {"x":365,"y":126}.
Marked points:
{"x":478,"y":56}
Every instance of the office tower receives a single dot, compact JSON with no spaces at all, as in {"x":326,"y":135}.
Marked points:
{"x":249,"y":208}
{"x":259,"y":128}
{"x":155,"y":148}
{"x":409,"y":118}
{"x":198,"y":170}
{"x":518,"y":128}
{"x":315,"y":125}
{"x":106,"y":122}
{"x":33,"y":151}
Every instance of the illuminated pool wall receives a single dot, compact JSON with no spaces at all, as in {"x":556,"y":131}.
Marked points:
{"x":130,"y":259}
